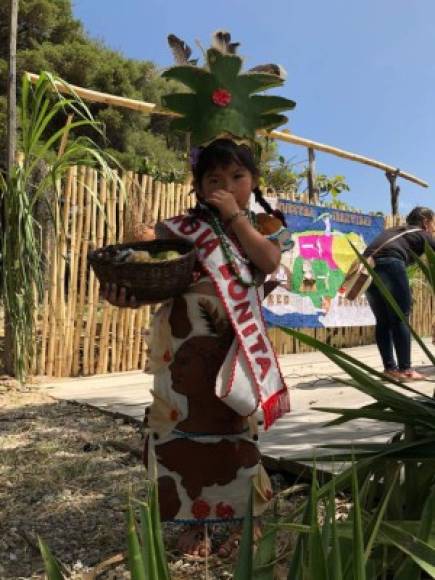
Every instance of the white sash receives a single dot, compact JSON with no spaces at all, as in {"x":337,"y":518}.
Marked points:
{"x":250,"y":374}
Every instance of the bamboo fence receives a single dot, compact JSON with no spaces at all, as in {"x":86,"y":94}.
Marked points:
{"x":80,"y":334}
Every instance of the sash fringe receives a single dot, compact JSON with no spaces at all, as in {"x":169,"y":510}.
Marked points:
{"x":275,"y":407}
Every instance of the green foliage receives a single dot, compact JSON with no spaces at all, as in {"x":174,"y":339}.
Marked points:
{"x":330,"y":190}
{"x":403,"y":471}
{"x":49,"y":38}
{"x":52,"y":567}
{"x":280,"y":175}
{"x":20,"y":195}
{"x":283,"y":176}
{"x":146,"y":551}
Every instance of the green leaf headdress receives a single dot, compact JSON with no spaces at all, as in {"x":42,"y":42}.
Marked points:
{"x":222,"y":101}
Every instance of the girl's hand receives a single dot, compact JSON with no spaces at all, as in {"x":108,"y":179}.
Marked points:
{"x":224,"y":202}
{"x":117,"y":296}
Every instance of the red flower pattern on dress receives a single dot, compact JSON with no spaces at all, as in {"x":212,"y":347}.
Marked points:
{"x":224,"y":510}
{"x":174,"y":415}
{"x":221,"y":97}
{"x":167,"y":356}
{"x":200,"y":509}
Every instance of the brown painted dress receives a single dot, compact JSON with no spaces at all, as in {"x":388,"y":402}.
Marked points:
{"x":203,"y":454}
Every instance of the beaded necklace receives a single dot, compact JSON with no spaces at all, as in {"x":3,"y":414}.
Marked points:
{"x":216,"y":225}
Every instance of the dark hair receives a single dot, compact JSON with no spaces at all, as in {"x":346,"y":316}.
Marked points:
{"x":223,"y":152}
{"x":418,"y":215}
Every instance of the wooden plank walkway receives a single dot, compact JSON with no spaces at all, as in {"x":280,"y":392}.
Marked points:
{"x":309,"y":376}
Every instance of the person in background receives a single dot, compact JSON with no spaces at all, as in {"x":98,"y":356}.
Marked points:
{"x":393,"y":337}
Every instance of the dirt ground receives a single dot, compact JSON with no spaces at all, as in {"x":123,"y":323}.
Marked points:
{"x":66,"y":472}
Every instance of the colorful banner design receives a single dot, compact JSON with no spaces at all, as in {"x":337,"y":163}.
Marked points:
{"x":310,"y":293}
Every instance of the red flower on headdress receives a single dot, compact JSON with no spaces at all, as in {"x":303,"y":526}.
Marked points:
{"x":221,"y":97}
{"x":224,"y":511}
{"x":200,"y":509}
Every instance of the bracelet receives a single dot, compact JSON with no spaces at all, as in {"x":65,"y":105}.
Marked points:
{"x":234,"y":216}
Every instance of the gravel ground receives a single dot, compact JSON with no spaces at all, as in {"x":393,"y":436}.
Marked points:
{"x":66,"y":472}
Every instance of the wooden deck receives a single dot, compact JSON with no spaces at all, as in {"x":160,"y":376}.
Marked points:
{"x":309,"y":377}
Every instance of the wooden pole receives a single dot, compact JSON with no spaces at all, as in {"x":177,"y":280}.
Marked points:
{"x":105,"y":98}
{"x":12,"y":88}
{"x":311,"y":177}
{"x":150,"y":108}
{"x":394,"y":194}
{"x":289,"y":138}
{"x":9,"y":347}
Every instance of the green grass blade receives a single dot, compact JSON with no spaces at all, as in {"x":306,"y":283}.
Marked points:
{"x":317,"y":563}
{"x":428,"y":269}
{"x":147,"y":542}
{"x":245,"y":563}
{"x":374,"y":525}
{"x":358,"y":551}
{"x":420,"y":552}
{"x":297,"y":560}
{"x":327,"y":523}
{"x":135,"y":561}
{"x":159,"y":547}
{"x":350,"y":414}
{"x":265,"y":556}
{"x":334,"y":560}
{"x":51,"y":565}
{"x":409,"y":570}
{"x":342,"y":480}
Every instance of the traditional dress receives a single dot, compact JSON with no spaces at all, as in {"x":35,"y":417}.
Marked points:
{"x":203,"y":452}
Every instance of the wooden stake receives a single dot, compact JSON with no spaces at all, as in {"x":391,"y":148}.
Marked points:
{"x":83,"y":281}
{"x":91,"y":279}
{"x":312,"y":190}
{"x":76,"y":241}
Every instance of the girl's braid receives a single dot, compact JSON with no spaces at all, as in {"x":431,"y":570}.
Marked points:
{"x":267,"y":207}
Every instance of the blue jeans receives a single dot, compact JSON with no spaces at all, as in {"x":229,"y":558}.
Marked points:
{"x":390,"y":330}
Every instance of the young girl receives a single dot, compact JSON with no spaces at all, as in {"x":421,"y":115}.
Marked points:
{"x":214,"y":365}
{"x":202,"y":435}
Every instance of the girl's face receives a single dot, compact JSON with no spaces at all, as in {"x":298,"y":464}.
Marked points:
{"x":234,"y":178}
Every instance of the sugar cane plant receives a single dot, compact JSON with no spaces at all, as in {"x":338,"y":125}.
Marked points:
{"x":41,"y":107}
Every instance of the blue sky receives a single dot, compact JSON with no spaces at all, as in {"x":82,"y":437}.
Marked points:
{"x":362,"y":73}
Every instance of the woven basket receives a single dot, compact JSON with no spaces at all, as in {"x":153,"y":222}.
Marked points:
{"x":149,"y":282}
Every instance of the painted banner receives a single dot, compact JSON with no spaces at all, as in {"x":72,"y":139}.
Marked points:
{"x":310,"y":293}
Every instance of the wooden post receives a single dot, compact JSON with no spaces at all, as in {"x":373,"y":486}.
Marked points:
{"x":12,"y":87}
{"x":9,"y":347}
{"x":311,"y":177}
{"x":394,"y":194}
